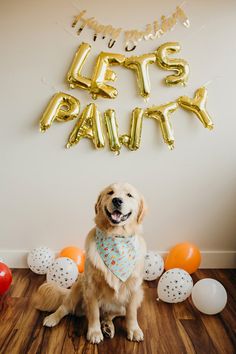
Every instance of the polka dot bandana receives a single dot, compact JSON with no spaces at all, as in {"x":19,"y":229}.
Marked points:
{"x":118,"y":253}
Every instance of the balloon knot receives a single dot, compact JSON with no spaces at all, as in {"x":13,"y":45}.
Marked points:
{"x":43,"y":128}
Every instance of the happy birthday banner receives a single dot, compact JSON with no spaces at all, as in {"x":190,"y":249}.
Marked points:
{"x":92,"y":125}
{"x":132,"y":37}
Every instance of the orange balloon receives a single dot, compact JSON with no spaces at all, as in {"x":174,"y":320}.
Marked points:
{"x":185,"y":256}
{"x":76,"y":254}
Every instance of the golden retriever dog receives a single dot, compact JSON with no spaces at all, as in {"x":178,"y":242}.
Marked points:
{"x":102,"y":292}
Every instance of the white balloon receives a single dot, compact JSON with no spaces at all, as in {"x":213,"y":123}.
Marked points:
{"x":209,"y":296}
{"x":63,"y":272}
{"x":40,"y":259}
{"x":174,"y":286}
{"x":153,"y":266}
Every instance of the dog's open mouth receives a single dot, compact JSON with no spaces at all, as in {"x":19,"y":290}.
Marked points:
{"x":116,"y":216}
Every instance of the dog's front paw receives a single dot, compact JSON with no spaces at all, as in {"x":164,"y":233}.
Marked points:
{"x":108,"y":328}
{"x":94,"y":336}
{"x":51,"y":321}
{"x":135,"y":334}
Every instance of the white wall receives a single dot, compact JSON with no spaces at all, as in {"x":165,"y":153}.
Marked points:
{"x":48,"y":193}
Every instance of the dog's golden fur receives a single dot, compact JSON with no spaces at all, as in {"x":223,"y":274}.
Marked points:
{"x":98,"y":293}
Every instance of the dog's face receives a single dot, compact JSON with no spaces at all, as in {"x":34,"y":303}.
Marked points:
{"x":120,"y":204}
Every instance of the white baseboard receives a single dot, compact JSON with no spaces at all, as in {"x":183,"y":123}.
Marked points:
{"x":14,"y":258}
{"x":215,"y":259}
{"x":210,"y":259}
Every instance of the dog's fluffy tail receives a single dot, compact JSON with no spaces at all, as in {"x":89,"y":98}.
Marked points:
{"x":49,"y":297}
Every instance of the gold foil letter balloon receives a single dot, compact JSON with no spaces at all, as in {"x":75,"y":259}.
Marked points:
{"x":197,"y":105}
{"x":133,"y":140}
{"x":74,"y":76}
{"x":112,"y":130}
{"x":140,"y":65}
{"x":89,"y":125}
{"x":180,"y":66}
{"x":62,"y":107}
{"x":162,"y":115}
{"x":102,"y":73}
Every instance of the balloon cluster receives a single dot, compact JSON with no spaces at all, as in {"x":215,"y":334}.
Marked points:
{"x":92,"y":125}
{"x":63,"y":270}
{"x":176,"y":285}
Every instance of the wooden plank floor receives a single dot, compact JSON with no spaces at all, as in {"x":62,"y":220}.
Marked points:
{"x":168,"y":328}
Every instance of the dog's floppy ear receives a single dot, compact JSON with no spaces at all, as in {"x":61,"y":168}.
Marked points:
{"x":142,"y":211}
{"x":97,"y":205}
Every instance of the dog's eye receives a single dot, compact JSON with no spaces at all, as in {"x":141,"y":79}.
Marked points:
{"x":110,"y":193}
{"x":129,"y":195}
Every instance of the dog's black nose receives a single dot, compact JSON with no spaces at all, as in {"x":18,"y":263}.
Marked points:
{"x":117,"y":202}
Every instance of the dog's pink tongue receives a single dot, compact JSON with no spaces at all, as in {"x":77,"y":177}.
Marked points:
{"x":116,"y":215}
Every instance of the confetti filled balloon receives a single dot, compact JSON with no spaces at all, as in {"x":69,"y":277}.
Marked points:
{"x":209,"y":296}
{"x":76,"y":254}
{"x":40,"y":259}
{"x":174,"y":286}
{"x":153,"y":265}
{"x":5,"y":278}
{"x":63,"y":272}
